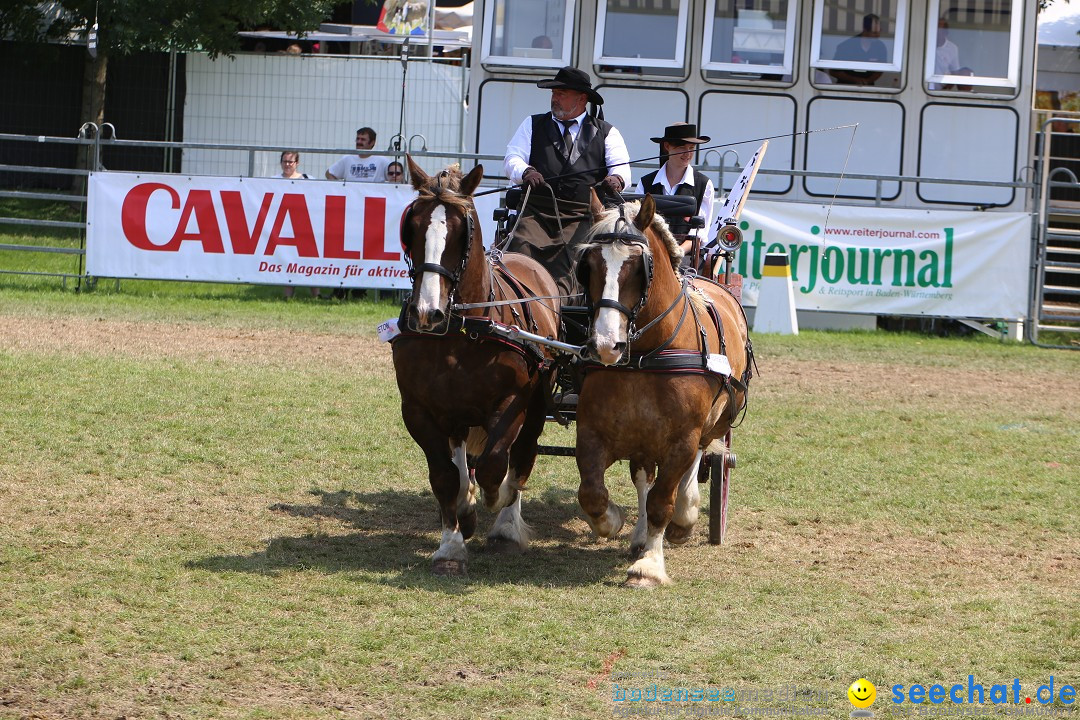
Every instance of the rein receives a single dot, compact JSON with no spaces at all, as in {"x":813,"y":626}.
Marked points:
{"x":664,"y":358}
{"x":483,"y":328}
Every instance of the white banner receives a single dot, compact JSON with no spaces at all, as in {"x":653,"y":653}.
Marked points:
{"x":249,"y":230}
{"x":892,"y":262}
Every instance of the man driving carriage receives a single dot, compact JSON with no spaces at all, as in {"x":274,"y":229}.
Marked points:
{"x":559,"y":155}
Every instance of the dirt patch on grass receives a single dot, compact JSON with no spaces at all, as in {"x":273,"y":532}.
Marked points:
{"x":871,"y":382}
{"x":187,"y":341}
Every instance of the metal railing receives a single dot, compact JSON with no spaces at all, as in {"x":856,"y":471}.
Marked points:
{"x":1056,"y":251}
{"x":92,"y":140}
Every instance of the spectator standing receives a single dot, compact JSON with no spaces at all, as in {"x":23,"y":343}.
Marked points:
{"x":290,"y":166}
{"x":362,"y":167}
{"x":946,"y":55}
{"x":290,"y":170}
{"x":395,"y":173}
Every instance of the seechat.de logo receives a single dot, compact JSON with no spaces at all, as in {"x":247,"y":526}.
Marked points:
{"x":973,"y":692}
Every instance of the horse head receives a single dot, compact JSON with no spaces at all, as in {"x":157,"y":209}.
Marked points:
{"x":438,"y":234}
{"x":616,"y":270}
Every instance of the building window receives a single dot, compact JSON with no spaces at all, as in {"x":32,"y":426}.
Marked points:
{"x":532,"y":33}
{"x":858,"y":43}
{"x":974,"y":46}
{"x":637,"y":35}
{"x":749,"y":39}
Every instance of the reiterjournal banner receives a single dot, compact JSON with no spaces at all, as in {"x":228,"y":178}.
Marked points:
{"x":249,"y":230}
{"x":892,"y":262}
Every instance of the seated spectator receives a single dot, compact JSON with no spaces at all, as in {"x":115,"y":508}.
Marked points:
{"x":864,"y":47}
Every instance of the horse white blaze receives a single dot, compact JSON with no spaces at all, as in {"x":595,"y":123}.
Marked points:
{"x":430,"y":298}
{"x":610,"y":323}
{"x":689,"y":498}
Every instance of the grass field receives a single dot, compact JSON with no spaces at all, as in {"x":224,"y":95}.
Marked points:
{"x":209,"y":508}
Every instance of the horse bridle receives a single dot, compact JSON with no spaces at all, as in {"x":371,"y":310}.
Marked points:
{"x":625,"y":233}
{"x":453,"y":276}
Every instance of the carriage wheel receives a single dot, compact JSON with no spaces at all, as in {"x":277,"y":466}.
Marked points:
{"x":718,"y":492}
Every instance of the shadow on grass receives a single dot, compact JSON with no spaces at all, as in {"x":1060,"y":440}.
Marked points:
{"x":396,"y":533}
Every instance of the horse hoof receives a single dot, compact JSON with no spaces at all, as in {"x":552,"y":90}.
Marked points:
{"x":448,"y":568}
{"x":644,"y":582}
{"x":467,"y":524}
{"x":637,"y":551}
{"x":503,"y":546}
{"x":678,"y":534}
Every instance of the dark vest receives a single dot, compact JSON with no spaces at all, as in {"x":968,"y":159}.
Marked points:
{"x":547,"y":155}
{"x":678,"y":226}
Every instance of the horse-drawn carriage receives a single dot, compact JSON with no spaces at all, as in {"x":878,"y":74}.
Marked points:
{"x":575,"y":331}
{"x":658,"y":360}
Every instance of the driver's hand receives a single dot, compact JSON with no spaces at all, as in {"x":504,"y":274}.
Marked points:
{"x":533,"y":178}
{"x":615,"y":182}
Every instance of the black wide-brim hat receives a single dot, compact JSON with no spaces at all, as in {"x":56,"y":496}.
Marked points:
{"x":573,"y":79}
{"x":682,"y":134}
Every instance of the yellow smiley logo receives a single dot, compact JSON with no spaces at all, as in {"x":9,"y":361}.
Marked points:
{"x":862,"y":693}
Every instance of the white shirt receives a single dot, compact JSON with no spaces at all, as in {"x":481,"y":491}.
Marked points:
{"x":353,"y":168}
{"x":946,"y":61}
{"x":708,"y":202}
{"x":616,"y":156}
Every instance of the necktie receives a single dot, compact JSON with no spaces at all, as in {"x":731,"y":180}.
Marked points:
{"x":567,"y":138}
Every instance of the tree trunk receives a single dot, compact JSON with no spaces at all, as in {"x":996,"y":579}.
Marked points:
{"x":93,"y":106}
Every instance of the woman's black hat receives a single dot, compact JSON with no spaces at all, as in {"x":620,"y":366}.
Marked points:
{"x":573,"y":79}
{"x":681,"y":134}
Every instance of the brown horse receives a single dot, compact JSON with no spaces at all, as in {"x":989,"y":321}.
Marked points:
{"x":658,"y":391}
{"x":475,"y":403}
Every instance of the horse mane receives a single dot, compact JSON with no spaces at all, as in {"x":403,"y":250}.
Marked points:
{"x":659,"y":225}
{"x":606,"y":224}
{"x":444,"y":186}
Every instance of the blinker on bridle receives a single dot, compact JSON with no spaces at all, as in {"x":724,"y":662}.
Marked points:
{"x":454,"y":276}
{"x":625,"y":233}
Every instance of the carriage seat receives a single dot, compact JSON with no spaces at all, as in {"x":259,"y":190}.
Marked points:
{"x":669,"y":206}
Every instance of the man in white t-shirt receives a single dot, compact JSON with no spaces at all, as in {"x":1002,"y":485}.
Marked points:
{"x":360,"y":167}
{"x":946,"y":54}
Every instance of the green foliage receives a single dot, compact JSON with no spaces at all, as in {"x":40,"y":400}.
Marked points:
{"x":126,"y":26}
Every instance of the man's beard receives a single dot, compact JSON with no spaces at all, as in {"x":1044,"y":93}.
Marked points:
{"x":562,"y":114}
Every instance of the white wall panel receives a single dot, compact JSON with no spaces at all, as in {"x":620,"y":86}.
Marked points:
{"x":312,"y":101}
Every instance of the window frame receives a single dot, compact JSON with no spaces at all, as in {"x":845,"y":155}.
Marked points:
{"x":899,"y":45}
{"x":788,"y":67}
{"x":487,"y":58}
{"x":1010,"y":82}
{"x":678,"y":63}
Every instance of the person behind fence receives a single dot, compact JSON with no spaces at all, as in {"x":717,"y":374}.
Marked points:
{"x":558,"y":156}
{"x":676,"y":177}
{"x":290,"y":170}
{"x":362,"y":167}
{"x":864,"y":47}
{"x":290,"y":166}
{"x":395,"y":173}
